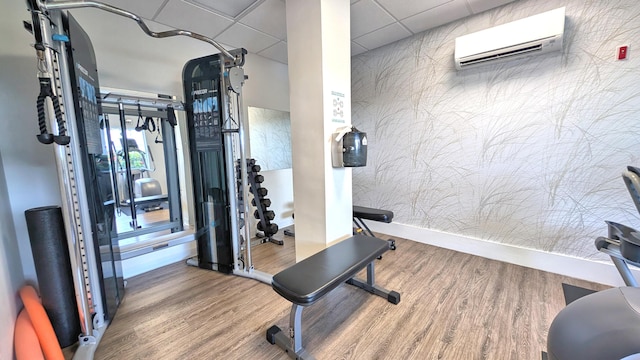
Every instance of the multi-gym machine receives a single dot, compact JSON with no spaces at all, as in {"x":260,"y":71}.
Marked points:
{"x":68,"y":76}
{"x":213,"y":101}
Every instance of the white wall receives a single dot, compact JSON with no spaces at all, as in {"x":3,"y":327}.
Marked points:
{"x":280,"y":186}
{"x":27,"y":177}
{"x":11,"y":277}
{"x":526,"y":153}
{"x":29,"y":166}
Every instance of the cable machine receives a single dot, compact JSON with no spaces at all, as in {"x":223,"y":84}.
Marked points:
{"x":68,"y":76}
{"x":213,"y":101}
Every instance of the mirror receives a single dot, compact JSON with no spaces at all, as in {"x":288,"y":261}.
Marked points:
{"x":270,"y":137}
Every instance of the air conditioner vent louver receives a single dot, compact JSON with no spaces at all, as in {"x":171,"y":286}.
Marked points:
{"x":537,"y":34}
{"x":504,"y":55}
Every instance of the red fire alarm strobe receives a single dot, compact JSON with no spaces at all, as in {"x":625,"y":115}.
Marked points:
{"x":621,"y":54}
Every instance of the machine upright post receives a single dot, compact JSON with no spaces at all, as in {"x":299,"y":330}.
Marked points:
{"x":230,"y":164}
{"x":245,"y":186}
{"x":127,"y":164}
{"x":75,"y":209}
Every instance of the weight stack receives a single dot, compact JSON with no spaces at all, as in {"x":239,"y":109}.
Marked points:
{"x":53,"y":269}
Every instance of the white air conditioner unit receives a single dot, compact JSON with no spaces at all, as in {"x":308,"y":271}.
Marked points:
{"x":537,"y":34}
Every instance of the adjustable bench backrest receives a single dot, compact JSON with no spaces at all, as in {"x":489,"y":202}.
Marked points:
{"x":367,"y":213}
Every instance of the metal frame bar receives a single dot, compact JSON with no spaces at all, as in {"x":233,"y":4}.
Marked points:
{"x":155,"y":227}
{"x":171,"y":173}
{"x":611,"y":247}
{"x":127,"y":165}
{"x":64,"y":5}
{"x":158,"y":103}
{"x":244,"y":182}
{"x":292,"y":343}
{"x":370,"y":285}
{"x":295,"y":327}
{"x":360,"y":223}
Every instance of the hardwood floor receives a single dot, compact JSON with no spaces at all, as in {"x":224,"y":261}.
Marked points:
{"x":453,"y":306}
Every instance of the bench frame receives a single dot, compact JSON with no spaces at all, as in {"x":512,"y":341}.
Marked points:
{"x":360,"y":224}
{"x":291,"y":343}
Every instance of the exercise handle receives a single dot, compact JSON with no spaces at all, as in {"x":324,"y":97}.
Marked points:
{"x":44,"y":137}
{"x":45,"y":88}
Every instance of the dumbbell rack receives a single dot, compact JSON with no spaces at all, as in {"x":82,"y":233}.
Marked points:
{"x":261,"y":203}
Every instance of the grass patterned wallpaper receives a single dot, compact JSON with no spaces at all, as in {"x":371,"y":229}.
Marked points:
{"x":527,"y":152}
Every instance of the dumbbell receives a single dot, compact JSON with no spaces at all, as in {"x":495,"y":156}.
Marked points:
{"x":262,"y":191}
{"x":271,"y":229}
{"x":269,"y":215}
{"x":258,"y":179}
{"x":264,"y":202}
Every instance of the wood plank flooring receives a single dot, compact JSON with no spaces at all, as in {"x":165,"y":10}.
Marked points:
{"x":453,"y":306}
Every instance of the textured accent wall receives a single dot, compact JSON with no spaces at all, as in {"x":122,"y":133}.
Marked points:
{"x":527,"y":152}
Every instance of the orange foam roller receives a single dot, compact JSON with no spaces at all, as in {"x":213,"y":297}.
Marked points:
{"x":41,"y":324}
{"x":26,"y":343}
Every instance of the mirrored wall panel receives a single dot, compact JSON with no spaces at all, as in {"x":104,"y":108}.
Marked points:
{"x":270,"y":137}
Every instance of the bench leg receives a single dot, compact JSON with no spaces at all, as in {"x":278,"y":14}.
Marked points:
{"x":291,"y":344}
{"x":370,"y":286}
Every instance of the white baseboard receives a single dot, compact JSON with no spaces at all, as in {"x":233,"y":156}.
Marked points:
{"x":580,"y":268}
{"x":156,"y":259}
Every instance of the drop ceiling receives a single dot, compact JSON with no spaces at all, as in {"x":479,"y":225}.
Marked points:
{"x":260,"y":25}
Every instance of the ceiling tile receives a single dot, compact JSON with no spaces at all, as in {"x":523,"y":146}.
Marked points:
{"x":404,"y":9}
{"x":277,"y":52}
{"x":225,"y":7}
{"x":269,"y":17}
{"x":240,"y":35}
{"x":356,"y":49}
{"x":181,"y":15}
{"x":384,"y":36}
{"x":435,"y":17}
{"x":147,"y":9}
{"x":478,"y":6}
{"x":367,"y":16}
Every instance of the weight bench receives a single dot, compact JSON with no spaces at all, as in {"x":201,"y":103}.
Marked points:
{"x":148,"y":203}
{"x":361,"y":212}
{"x":312,"y":278}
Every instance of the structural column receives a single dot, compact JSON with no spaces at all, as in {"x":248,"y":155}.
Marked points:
{"x":318,"y":39}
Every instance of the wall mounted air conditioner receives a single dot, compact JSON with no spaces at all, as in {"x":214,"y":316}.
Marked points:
{"x":537,"y":34}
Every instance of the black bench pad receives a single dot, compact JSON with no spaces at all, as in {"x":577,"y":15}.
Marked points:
{"x":307,"y":281}
{"x":372,"y":214}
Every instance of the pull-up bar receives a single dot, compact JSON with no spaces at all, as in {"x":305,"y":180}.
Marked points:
{"x":62,"y":5}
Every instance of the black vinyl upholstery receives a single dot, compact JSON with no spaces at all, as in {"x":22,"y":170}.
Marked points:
{"x":307,"y":281}
{"x":362,"y":212}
